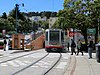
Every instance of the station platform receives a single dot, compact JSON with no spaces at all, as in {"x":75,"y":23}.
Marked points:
{"x":82,"y":65}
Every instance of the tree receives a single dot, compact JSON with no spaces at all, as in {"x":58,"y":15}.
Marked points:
{"x":94,"y":14}
{"x":66,"y":16}
{"x":20,"y":15}
{"x":5,"y":24}
{"x":45,"y":24}
{"x":24,"y":24}
{"x":4,"y":15}
{"x":79,"y":14}
{"x":11,"y":22}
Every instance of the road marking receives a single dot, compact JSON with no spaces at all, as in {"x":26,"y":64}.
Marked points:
{"x":50,"y":61}
{"x":36,"y":56}
{"x":35,"y":66}
{"x":1,"y":56}
{"x":27,"y":62}
{"x":66,"y":57}
{"x":19,"y":62}
{"x":62,"y":65}
{"x":15,"y":63}
{"x":45,"y":63}
{"x":3,"y":64}
{"x":12,"y":64}
{"x":11,"y":56}
{"x":26,"y":56}
{"x":44,"y":66}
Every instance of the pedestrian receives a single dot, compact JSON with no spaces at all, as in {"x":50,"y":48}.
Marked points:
{"x":5,"y":42}
{"x":73,"y":45}
{"x":8,"y":44}
{"x":68,"y":46}
{"x":79,"y":47}
{"x":90,"y":49}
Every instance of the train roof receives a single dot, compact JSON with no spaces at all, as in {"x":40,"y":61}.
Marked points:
{"x":53,"y":29}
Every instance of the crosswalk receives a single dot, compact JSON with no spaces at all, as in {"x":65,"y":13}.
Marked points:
{"x":15,"y":63}
{"x":42,"y":64}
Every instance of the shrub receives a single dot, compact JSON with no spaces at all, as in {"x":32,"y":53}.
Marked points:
{"x":1,"y":43}
{"x":0,"y":35}
{"x":11,"y":32}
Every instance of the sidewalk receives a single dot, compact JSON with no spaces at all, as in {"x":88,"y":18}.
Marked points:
{"x":81,"y":65}
{"x":7,"y":52}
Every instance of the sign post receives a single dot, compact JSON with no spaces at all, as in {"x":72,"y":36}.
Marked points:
{"x":91,"y":31}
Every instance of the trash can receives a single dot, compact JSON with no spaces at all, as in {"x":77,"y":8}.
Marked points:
{"x":98,"y":52}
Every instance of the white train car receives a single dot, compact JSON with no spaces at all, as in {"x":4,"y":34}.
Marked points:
{"x":54,"y":40}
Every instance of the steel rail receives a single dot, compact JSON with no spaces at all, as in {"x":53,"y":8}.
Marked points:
{"x":29,"y":65}
{"x":53,"y":65}
{"x":16,"y":57}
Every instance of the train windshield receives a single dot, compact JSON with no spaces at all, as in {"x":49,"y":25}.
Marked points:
{"x":54,"y":36}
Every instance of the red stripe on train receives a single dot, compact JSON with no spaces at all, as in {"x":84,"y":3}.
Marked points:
{"x":54,"y":47}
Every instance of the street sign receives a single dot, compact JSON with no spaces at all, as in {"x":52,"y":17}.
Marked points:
{"x":71,"y":34}
{"x":91,"y":31}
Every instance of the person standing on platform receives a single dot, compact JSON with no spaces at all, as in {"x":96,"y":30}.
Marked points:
{"x":79,"y":47}
{"x":90,"y":49}
{"x":73,"y":45}
{"x":8,"y":44}
{"x":5,"y":42}
{"x":68,"y":46}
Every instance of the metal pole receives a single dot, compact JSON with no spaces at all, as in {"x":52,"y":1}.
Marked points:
{"x":16,"y":19}
{"x":98,"y":32}
{"x":73,"y":34}
{"x":16,"y":9}
{"x":98,"y":28}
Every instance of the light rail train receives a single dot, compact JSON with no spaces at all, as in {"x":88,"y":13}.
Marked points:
{"x":54,"y":40}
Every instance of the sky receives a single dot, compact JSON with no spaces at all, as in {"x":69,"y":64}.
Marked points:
{"x":31,"y":5}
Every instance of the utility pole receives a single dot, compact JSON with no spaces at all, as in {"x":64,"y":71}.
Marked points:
{"x":16,"y":8}
{"x":98,"y":29}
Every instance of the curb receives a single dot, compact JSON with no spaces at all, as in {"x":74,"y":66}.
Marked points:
{"x":71,"y":66}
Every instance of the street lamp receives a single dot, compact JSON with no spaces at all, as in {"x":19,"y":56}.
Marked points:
{"x":98,"y":29}
{"x":16,"y":17}
{"x":16,"y":9}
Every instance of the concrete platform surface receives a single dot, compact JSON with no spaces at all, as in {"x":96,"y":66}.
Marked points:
{"x":82,"y":65}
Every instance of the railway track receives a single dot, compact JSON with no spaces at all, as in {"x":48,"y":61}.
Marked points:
{"x":2,"y":60}
{"x":45,"y":71}
{"x":46,"y":63}
{"x":53,"y":65}
{"x":33,"y":54}
{"x":29,"y":65}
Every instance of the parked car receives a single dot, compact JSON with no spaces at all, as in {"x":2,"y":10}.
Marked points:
{"x":27,"y":41}
{"x":1,"y":45}
{"x":8,"y":36}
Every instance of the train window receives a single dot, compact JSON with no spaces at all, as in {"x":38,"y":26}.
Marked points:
{"x":62,"y":36}
{"x":54,"y":36}
{"x":46,"y":36}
